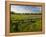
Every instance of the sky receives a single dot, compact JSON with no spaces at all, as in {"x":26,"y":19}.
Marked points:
{"x":25,"y":9}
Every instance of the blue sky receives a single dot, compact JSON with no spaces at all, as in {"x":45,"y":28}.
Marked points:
{"x":25,"y":9}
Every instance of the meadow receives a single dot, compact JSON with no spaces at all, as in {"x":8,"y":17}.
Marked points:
{"x":25,"y":22}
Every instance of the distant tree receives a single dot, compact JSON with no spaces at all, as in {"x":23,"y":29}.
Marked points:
{"x":12,"y":12}
{"x":36,"y":13}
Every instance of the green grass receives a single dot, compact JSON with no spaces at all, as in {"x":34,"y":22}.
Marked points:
{"x":25,"y":23}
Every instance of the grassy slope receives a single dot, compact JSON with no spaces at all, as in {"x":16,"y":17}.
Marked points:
{"x":26,"y":25}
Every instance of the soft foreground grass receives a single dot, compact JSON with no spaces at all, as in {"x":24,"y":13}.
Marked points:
{"x":25,"y":23}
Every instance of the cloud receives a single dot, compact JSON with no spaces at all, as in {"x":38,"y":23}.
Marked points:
{"x":25,"y":9}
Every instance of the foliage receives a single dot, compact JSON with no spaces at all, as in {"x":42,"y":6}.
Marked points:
{"x":25,"y":23}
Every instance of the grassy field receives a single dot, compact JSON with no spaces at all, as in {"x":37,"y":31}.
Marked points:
{"x":25,"y":23}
